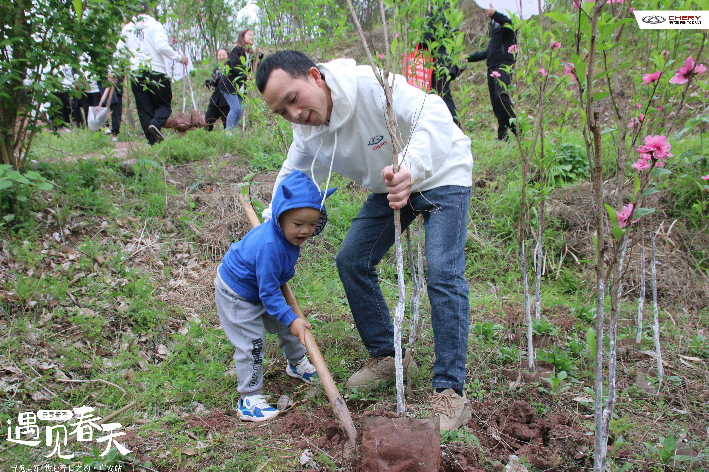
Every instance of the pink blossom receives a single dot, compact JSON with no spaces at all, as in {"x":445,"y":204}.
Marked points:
{"x":638,"y":105}
{"x":642,"y":163}
{"x":624,"y":214}
{"x":556,"y":45}
{"x":513,"y":49}
{"x":397,"y":35}
{"x":649,"y":78}
{"x":569,"y":70}
{"x":683,"y":74}
{"x":380,"y":56}
{"x":666,"y":54}
{"x":657,"y":146}
{"x":631,"y":9}
{"x":543,"y":71}
{"x":577,"y":3}
{"x":659,"y":108}
{"x":632,"y":123}
{"x":495,"y":74}
{"x":705,"y":177}
{"x":641,"y":118}
{"x":553,"y":141}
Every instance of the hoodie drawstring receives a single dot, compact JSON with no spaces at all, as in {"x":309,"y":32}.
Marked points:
{"x":329,"y":174}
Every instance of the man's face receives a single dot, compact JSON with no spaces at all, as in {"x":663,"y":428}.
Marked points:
{"x":300,"y":100}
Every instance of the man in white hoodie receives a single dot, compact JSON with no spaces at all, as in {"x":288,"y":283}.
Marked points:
{"x":337,"y":110}
{"x":147,"y":46}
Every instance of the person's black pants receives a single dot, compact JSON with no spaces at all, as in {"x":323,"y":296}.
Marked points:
{"x":117,"y":107}
{"x":442,"y":88}
{"x":153,"y":94}
{"x":213,"y":113}
{"x":501,"y":103}
{"x":61,"y":115}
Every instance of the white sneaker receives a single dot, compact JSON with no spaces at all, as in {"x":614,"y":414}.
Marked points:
{"x":255,"y":408}
{"x":114,"y":138}
{"x":303,"y":370}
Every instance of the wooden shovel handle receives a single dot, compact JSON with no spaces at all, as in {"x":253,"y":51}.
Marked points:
{"x":338,"y":403}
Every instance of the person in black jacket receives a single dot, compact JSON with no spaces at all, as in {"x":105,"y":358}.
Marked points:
{"x":233,"y":80}
{"x":497,"y":54}
{"x":437,"y":31}
{"x":218,"y":106}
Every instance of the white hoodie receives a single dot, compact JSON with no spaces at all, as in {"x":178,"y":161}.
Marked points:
{"x":146,"y":40}
{"x":356,"y":144}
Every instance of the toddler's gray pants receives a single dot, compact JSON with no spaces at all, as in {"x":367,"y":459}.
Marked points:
{"x":245,"y":324}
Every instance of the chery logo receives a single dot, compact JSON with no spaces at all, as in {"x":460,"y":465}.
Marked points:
{"x":653,"y":19}
{"x":375,"y":140}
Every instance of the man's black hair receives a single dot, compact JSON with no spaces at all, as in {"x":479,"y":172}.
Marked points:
{"x":144,"y":7}
{"x":295,"y":63}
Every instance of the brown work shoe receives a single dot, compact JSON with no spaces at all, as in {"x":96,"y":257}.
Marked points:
{"x":453,"y":410}
{"x":377,"y":370}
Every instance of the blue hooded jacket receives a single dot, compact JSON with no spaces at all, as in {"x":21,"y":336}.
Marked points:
{"x":257,"y":266}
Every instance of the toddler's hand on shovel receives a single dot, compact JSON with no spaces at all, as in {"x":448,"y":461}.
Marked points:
{"x":298,"y":327}
{"x":399,"y":186}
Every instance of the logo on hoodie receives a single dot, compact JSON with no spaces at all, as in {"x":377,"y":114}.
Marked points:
{"x":376,"y":141}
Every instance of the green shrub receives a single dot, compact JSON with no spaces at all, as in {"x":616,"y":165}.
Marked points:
{"x":16,"y":190}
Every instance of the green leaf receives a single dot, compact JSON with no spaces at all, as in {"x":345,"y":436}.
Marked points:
{"x":560,"y":17}
{"x":649,"y":191}
{"x":658,"y":171}
{"x":640,"y":212}
{"x":591,"y":341}
{"x":613,"y":216}
{"x":5,"y":183}
{"x":636,"y":181}
{"x":46,"y":186}
{"x":607,"y":130}
{"x":599,"y":95}
{"x":78,"y":8}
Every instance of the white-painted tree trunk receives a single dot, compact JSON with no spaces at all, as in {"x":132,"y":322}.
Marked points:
{"x":656,"y":323}
{"x":417,"y":281}
{"x":527,"y":313}
{"x":383,"y":79}
{"x":540,"y":267}
{"x":600,"y":439}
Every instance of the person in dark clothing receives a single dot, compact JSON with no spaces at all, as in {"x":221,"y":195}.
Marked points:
{"x":497,"y":55}
{"x":436,"y":32}
{"x":60,"y":112}
{"x":233,"y":80}
{"x":218,"y":106}
{"x":117,"y":109}
{"x":145,"y":43}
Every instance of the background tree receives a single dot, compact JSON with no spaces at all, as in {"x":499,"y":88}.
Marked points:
{"x":36,"y":38}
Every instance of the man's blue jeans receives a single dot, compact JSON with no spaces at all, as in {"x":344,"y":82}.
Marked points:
{"x":445,"y":216}
{"x":234,"y":101}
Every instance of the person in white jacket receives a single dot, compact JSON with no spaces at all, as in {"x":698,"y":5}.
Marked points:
{"x":338,"y":115}
{"x":147,"y":48}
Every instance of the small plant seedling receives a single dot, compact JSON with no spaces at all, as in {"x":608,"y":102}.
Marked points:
{"x":544,"y":327}
{"x":558,"y":358}
{"x":698,"y":346}
{"x":664,"y":451}
{"x":584,"y":313}
{"x":555,"y":382}
{"x":487,"y":330}
{"x":508,"y":355}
